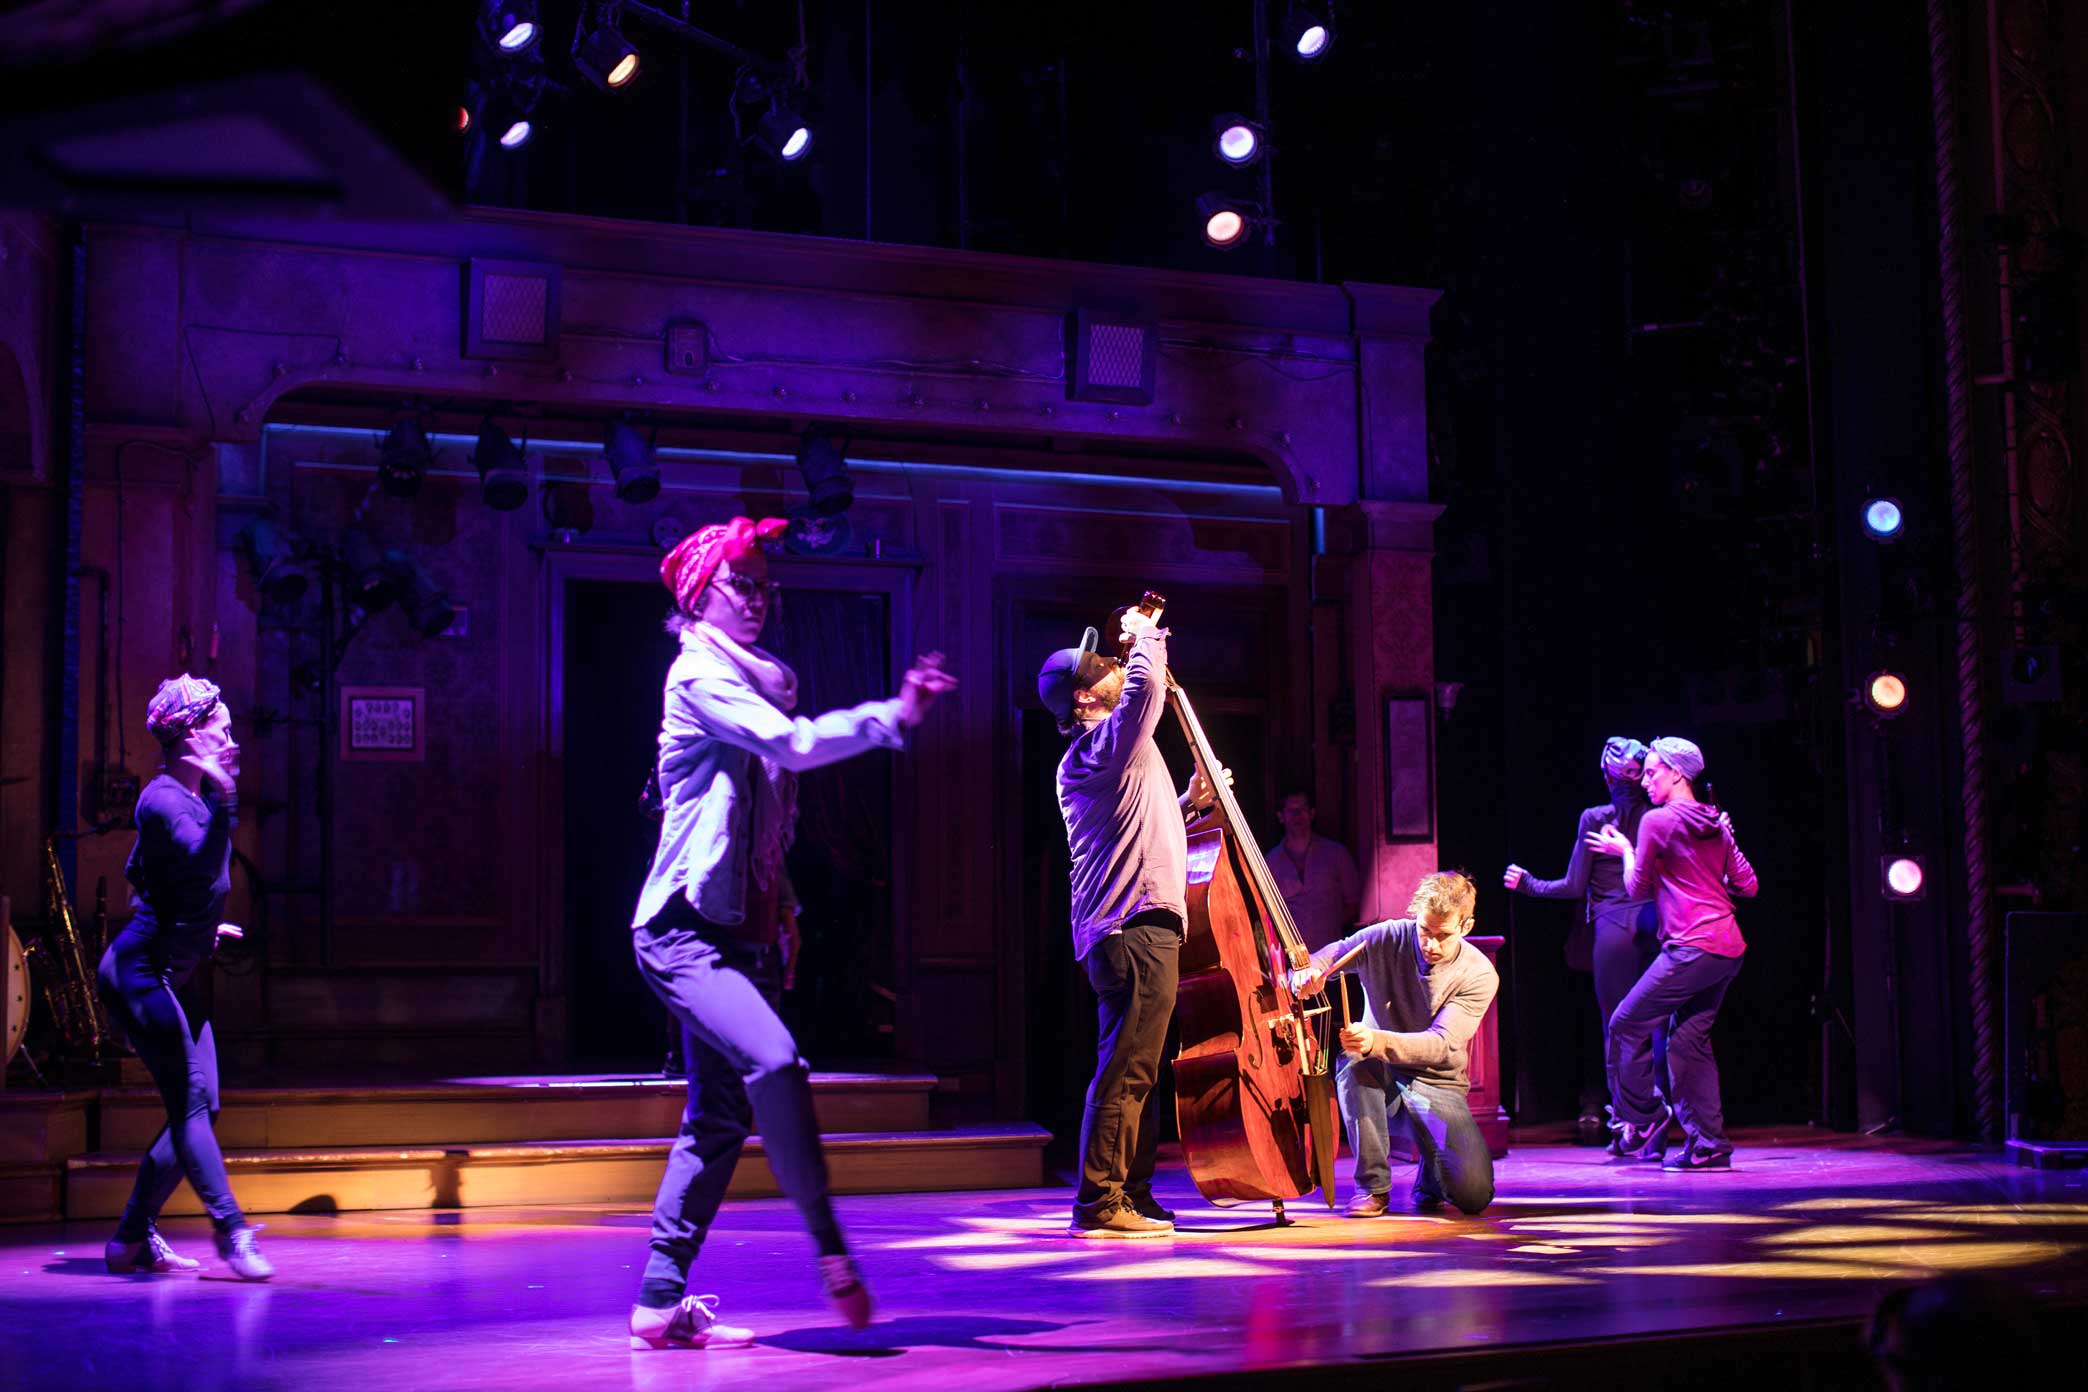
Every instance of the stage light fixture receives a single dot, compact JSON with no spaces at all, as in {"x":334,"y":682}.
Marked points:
{"x":503,"y":473}
{"x":1883,"y":520}
{"x":601,"y":52}
{"x":1307,"y":34}
{"x":509,"y":26}
{"x":371,"y":584}
{"x":423,"y":601}
{"x":1237,"y":140}
{"x":1224,"y":219}
{"x":783,"y":134}
{"x":463,"y":118}
{"x":1885,"y":693}
{"x":1903,"y":877}
{"x":403,"y":461}
{"x":631,"y":464}
{"x":275,"y":560}
{"x":824,"y":465}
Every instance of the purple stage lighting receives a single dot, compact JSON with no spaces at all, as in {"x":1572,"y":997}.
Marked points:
{"x":508,"y":25}
{"x":1237,"y":140}
{"x":1883,"y":520}
{"x":1308,"y":35}
{"x":783,"y":135}
{"x":517,"y":134}
{"x":1904,"y":877}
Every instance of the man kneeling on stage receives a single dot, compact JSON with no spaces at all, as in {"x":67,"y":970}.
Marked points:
{"x":1424,"y":997}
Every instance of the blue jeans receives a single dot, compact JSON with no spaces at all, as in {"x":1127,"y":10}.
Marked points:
{"x":744,"y":1070}
{"x":1455,"y":1163}
{"x":137,"y":988}
{"x":1682,"y":991}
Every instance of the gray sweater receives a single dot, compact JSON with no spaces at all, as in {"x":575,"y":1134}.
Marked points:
{"x":1424,"y":1020}
{"x":1123,"y":819}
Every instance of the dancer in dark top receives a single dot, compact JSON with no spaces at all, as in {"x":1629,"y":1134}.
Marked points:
{"x":180,"y":874}
{"x":1686,"y":857}
{"x":1617,"y":936}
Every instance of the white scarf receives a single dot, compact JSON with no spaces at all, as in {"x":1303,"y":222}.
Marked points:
{"x":775,"y":792}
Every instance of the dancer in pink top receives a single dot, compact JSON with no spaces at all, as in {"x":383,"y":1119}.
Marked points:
{"x":1686,"y":858}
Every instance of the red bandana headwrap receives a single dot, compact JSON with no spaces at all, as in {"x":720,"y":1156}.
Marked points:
{"x":692,"y":563}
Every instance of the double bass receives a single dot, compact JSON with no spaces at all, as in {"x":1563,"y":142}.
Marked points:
{"x":1254,"y":1093}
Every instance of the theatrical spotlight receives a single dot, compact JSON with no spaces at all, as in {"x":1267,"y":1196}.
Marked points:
{"x":1237,"y":140}
{"x":783,"y":134}
{"x":272,"y":556}
{"x":1885,"y":693}
{"x":1224,"y":219}
{"x":371,"y":584}
{"x":403,"y":461}
{"x":631,"y":464}
{"x":1903,"y":877}
{"x":1883,"y":520}
{"x":1307,"y":35}
{"x":508,"y":26}
{"x":509,"y":116}
{"x":425,"y":605}
{"x":503,"y":473}
{"x":601,"y":52}
{"x":825,"y":469}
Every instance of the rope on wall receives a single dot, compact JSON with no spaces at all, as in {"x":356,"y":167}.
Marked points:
{"x":1964,"y":521}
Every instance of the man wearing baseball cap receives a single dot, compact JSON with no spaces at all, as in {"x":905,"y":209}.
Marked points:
{"x":1130,"y":871}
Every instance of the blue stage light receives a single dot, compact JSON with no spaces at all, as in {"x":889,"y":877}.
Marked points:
{"x":1882,"y":519}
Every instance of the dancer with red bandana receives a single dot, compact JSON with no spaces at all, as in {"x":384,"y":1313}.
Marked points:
{"x":730,"y":750}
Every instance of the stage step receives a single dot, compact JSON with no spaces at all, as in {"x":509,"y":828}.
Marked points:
{"x":340,"y":1178}
{"x":448,"y":1110}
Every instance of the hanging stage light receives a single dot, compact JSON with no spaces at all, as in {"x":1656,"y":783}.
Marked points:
{"x":425,"y":605}
{"x":1883,"y":520}
{"x":1903,"y":877}
{"x":825,"y":469}
{"x":371,"y":584}
{"x":1885,"y":693}
{"x":631,"y":464}
{"x":783,"y":134}
{"x":601,"y":52}
{"x":503,"y":473}
{"x":1224,"y":219}
{"x":1307,"y":35}
{"x":1237,"y":140}
{"x":404,"y":460}
{"x":272,"y":555}
{"x":509,"y":26}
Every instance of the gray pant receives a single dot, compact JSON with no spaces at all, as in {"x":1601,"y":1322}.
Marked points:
{"x":1455,"y":1163}
{"x":1682,"y":990}
{"x":1626,"y":942}
{"x":1134,"y":975}
{"x":744,"y":1071}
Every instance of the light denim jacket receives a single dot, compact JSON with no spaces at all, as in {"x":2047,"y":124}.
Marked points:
{"x":713,"y":722}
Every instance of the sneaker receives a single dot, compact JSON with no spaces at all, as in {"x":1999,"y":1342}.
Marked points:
{"x":242,"y":1252}
{"x":1147,"y":1206}
{"x":153,"y":1254}
{"x":1691,"y":1158}
{"x":1368,"y":1205}
{"x":844,"y":1286}
{"x":1121,"y":1221}
{"x":692,"y":1322}
{"x":1646,"y":1143}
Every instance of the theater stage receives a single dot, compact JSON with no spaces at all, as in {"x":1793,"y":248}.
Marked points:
{"x":1581,"y":1262}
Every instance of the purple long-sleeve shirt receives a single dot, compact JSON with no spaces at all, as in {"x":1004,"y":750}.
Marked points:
{"x":1687,"y":859}
{"x":1123,"y":818}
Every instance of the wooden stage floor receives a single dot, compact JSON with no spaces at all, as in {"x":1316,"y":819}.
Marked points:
{"x":981,"y":1291}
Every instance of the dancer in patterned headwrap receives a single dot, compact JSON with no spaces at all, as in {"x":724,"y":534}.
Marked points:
{"x":730,"y":749}
{"x":180,"y":872}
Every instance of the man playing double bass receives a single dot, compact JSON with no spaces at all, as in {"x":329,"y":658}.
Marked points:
{"x":1124,"y":828}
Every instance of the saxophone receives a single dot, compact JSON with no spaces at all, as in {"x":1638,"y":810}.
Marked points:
{"x":59,"y":961}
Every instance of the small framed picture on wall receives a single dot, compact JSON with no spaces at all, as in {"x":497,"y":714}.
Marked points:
{"x":1409,"y":767}
{"x":384,"y":724}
